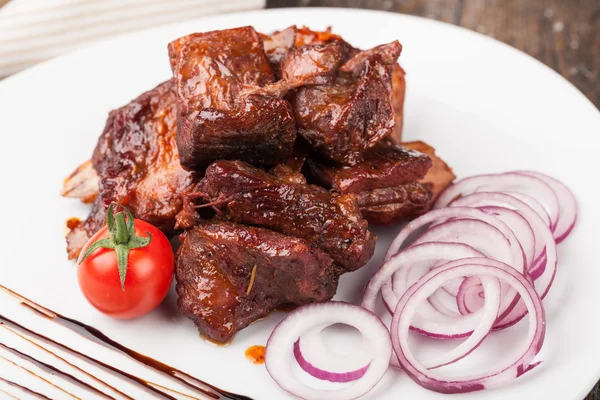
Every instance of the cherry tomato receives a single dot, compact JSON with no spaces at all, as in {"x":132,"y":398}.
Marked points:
{"x":135,"y":283}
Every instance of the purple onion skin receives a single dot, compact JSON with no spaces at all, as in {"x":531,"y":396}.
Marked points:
{"x":338,"y":377}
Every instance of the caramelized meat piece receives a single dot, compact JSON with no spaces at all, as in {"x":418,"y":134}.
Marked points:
{"x":343,"y":120}
{"x":137,"y":162}
{"x":82,"y":184}
{"x":384,"y":183}
{"x":385,"y":54}
{"x":230,"y":275}
{"x":279,"y":44}
{"x":309,"y":65}
{"x":245,"y":194}
{"x":81,"y":231}
{"x":391,"y":205}
{"x":215,"y":121}
{"x":440,"y":176}
{"x":312,"y":65}
{"x":386,"y":165}
{"x":398,"y":92}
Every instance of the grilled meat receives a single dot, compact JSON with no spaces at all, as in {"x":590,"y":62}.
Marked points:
{"x":386,"y":165}
{"x":390,"y":205}
{"x":440,"y":175}
{"x":82,"y":184}
{"x":215,"y":121}
{"x":341,"y":121}
{"x":81,"y":231}
{"x":279,"y":44}
{"x":245,"y":194}
{"x":385,"y":183}
{"x":230,"y":275}
{"x":137,"y":162}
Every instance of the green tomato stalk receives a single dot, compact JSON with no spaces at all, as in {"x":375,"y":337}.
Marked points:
{"x":122,"y":239}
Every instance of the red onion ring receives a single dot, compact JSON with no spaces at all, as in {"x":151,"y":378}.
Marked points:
{"x":432,"y":281}
{"x":456,"y":229}
{"x":543,"y":273}
{"x":566,"y":199}
{"x":314,"y":357}
{"x":280,"y":348}
{"x":509,"y":182}
{"x":440,"y":326}
{"x":519,"y":226}
{"x":534,"y":204}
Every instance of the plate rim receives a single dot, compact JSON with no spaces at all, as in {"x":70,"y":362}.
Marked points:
{"x":16,"y":79}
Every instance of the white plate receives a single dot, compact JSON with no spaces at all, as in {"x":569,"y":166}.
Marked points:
{"x":485,"y":106}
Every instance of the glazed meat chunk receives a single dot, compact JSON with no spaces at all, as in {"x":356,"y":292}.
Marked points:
{"x":385,"y":183}
{"x":282,"y":201}
{"x":304,"y":66}
{"x":279,"y":44}
{"x":136,"y":164}
{"x":386,"y":165}
{"x":215,"y":121}
{"x":81,"y":231}
{"x":230,"y":275}
{"x":440,"y":176}
{"x":341,"y":121}
{"x":388,"y":206}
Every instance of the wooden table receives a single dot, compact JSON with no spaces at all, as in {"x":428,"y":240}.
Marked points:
{"x":564,"y":34}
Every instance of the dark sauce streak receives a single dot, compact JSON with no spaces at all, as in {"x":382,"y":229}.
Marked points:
{"x":159,"y":366}
{"x":107,"y":366}
{"x":95,"y":378}
{"x":25,"y":389}
{"x":49,"y":367}
{"x":181,"y":376}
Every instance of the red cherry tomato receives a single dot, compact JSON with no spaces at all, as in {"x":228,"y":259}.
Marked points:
{"x":147,"y":265}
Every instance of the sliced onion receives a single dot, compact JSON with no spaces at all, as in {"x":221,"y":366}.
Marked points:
{"x":491,"y":309}
{"x":484,"y":232}
{"x":481,"y":236}
{"x":280,"y":348}
{"x":519,"y":226}
{"x":429,"y":321}
{"x":406,"y":311}
{"x":470,"y":296}
{"x":314,"y":357}
{"x":545,"y":269}
{"x":535,"y":206}
{"x":455,"y":213}
{"x":509,"y":182}
{"x":568,"y":204}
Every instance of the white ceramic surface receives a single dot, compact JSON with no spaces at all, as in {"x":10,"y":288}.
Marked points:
{"x":485,"y":107}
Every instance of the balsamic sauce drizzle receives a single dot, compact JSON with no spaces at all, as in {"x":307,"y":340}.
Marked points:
{"x":66,"y":362}
{"x":47,"y":367}
{"x":129,"y":376}
{"x":39,"y":377}
{"x":25,"y":389}
{"x":69,"y":323}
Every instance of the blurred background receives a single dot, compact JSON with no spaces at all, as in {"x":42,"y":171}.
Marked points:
{"x":563,"y":34}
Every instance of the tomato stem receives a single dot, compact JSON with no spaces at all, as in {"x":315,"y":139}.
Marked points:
{"x":122,"y":235}
{"x":122,"y":239}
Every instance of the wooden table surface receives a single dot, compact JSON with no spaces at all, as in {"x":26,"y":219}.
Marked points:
{"x":564,"y":34}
